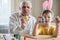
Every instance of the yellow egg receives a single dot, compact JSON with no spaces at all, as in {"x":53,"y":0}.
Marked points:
{"x":1,"y":36}
{"x":26,"y":18}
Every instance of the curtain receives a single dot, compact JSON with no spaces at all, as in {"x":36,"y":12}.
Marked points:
{"x":5,"y":11}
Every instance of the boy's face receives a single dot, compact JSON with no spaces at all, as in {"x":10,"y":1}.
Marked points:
{"x":48,"y":17}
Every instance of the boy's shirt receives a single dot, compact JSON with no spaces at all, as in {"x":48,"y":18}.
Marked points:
{"x":46,"y":31}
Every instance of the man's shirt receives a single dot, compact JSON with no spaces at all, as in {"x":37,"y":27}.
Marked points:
{"x":15,"y":24}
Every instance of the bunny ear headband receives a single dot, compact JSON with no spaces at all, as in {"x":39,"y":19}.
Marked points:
{"x":47,"y":4}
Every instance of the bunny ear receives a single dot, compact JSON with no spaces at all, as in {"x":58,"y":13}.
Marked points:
{"x":45,"y":5}
{"x":50,"y":3}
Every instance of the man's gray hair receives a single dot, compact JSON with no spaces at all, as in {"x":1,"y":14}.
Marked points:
{"x":21,"y":4}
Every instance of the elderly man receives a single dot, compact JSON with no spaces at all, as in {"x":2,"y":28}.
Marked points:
{"x":22,"y":22}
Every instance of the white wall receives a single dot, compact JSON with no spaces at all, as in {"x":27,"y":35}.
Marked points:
{"x":56,"y":7}
{"x":15,"y":5}
{"x":37,"y":7}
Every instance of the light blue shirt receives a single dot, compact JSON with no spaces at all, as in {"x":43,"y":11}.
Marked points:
{"x":15,"y":24}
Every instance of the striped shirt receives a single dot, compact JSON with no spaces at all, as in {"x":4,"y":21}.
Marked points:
{"x":15,"y":24}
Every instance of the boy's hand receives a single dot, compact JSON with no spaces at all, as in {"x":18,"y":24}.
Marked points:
{"x":57,"y":20}
{"x":39,"y":19}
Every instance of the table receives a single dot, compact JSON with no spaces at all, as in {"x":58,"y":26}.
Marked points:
{"x":42,"y":37}
{"x":39,"y":37}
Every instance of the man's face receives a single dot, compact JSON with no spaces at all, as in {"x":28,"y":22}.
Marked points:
{"x":26,"y":8}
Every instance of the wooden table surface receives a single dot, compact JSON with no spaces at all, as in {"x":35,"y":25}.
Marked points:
{"x":42,"y":37}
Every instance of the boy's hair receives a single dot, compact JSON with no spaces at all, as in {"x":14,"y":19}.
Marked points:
{"x":46,"y":12}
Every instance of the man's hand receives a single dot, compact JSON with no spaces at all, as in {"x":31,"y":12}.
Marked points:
{"x":23,"y":22}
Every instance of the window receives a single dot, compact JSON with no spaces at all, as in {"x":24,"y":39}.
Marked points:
{"x":5,"y":11}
